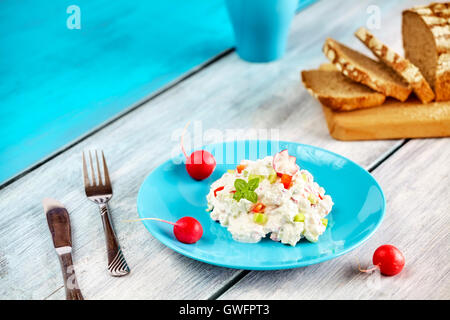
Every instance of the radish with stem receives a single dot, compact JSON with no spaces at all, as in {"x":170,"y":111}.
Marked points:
{"x":187,"y":229}
{"x":388,"y":259}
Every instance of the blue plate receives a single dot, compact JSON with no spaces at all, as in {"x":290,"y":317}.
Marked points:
{"x":170,"y":193}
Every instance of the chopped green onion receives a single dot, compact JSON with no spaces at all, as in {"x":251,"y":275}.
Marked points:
{"x":324,"y":221}
{"x":260,"y":218}
{"x":231,"y":171}
{"x":300,"y":217}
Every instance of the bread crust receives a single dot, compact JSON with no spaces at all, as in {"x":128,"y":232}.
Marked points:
{"x":403,"y":67}
{"x":436,"y":16}
{"x":333,"y":52}
{"x":365,"y":100}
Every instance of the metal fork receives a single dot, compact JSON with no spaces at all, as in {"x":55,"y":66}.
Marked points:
{"x":100,"y":193}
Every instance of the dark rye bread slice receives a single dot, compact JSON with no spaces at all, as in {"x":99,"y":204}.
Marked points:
{"x":360,"y":68}
{"x":404,"y":68}
{"x":426,"y":40}
{"x":338,"y":92}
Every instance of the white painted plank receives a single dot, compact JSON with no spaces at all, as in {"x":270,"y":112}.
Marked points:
{"x":416,"y":182}
{"x":229,"y":94}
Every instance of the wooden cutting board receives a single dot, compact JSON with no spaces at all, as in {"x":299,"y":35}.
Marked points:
{"x":392,"y":120}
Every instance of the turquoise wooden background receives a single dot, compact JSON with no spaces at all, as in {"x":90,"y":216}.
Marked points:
{"x":57,"y":84}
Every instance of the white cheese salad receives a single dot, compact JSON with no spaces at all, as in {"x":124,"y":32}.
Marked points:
{"x":270,"y":196}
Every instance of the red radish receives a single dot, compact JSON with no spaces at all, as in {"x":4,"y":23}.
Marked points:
{"x":200,"y":164}
{"x":283,"y":163}
{"x":388,"y":259}
{"x":187,"y":229}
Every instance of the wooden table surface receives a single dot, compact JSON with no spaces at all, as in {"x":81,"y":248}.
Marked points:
{"x":232,"y":94}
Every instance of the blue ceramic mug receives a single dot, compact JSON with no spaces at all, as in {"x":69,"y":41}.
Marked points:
{"x":261,"y":27}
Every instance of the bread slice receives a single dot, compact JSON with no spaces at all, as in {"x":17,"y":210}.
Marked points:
{"x":408,"y":71}
{"x":365,"y":70}
{"x":392,"y":120}
{"x":338,"y":92}
{"x":426,"y":40}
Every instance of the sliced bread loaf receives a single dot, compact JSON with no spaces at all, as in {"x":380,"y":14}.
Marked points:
{"x":408,"y":71}
{"x":365,"y":70}
{"x":426,"y":40}
{"x":338,"y":92}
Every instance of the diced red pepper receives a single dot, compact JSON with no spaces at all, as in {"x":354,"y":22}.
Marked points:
{"x":240,"y":167}
{"x":233,"y":191}
{"x":286,"y":180}
{"x":217,"y":190}
{"x":320,"y":197}
{"x":259,"y":207}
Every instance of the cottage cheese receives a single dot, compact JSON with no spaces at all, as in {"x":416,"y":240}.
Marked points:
{"x":290,"y":213}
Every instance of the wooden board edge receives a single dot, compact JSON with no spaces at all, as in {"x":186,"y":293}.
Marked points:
{"x":340,"y":128}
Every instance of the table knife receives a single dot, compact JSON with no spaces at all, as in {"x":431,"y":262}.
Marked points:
{"x":59,"y":225}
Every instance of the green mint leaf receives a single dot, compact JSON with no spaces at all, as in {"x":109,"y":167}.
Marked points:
{"x":251,"y":196}
{"x":240,"y":185}
{"x":253,"y":184}
{"x":237,"y":196}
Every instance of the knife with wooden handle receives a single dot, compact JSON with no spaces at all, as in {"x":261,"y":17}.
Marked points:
{"x":59,"y":225}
